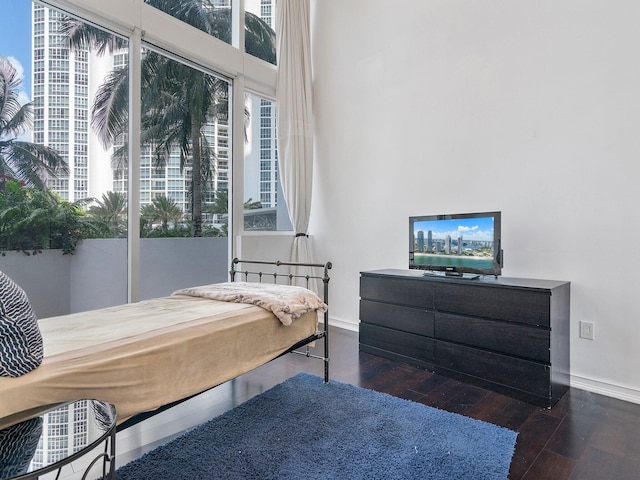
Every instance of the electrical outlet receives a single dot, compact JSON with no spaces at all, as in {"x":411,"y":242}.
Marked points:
{"x":586,"y":330}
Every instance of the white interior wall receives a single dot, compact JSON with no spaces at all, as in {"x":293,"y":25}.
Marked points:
{"x":448,"y":106}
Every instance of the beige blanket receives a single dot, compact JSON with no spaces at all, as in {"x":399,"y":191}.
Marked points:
{"x":143,"y":355}
{"x":285,"y":301}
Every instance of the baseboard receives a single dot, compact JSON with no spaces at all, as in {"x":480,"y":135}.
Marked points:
{"x":344,"y":324}
{"x":607,"y":389}
{"x":575,"y":381}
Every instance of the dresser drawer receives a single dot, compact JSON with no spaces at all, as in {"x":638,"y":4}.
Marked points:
{"x":520,"y":306}
{"x":522,"y":341}
{"x":407,"y":319}
{"x":402,"y":343}
{"x":498,"y":369}
{"x":411,"y":292}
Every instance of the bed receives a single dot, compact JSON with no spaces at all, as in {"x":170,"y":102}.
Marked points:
{"x":145,"y":356}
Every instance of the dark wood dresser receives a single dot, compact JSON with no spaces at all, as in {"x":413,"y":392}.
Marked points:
{"x":509,"y":335}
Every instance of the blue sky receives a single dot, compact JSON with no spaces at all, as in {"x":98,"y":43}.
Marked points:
{"x":469,"y":228}
{"x":15,"y":35}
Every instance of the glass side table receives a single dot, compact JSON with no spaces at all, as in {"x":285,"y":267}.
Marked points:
{"x":52,"y":438}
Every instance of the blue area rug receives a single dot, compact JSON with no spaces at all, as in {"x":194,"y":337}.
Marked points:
{"x":303,"y":428}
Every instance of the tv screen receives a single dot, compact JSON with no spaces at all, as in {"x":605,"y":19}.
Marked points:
{"x":464,"y":244}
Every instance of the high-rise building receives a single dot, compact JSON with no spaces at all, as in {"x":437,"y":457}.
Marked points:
{"x":61,"y":101}
{"x":66,"y":433}
{"x":65,"y":82}
{"x":263,"y":112}
{"x":420,"y":246}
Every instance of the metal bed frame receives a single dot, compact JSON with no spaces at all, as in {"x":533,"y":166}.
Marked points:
{"x":290,"y":278}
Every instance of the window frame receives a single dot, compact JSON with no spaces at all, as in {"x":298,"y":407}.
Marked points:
{"x":144,"y":25}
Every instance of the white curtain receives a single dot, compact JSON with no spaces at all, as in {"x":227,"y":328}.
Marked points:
{"x":295,"y":117}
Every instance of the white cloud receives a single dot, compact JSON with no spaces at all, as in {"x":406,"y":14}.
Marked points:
{"x":17,"y":65}
{"x":23,"y":95}
{"x":471,"y":233}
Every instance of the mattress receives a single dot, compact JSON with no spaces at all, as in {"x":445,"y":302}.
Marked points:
{"x":144,"y":355}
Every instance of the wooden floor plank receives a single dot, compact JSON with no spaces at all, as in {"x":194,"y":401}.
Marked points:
{"x":584,"y":436}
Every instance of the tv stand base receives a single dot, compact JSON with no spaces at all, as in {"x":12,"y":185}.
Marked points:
{"x":466,"y":276}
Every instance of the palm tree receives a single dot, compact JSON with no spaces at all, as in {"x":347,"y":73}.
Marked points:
{"x":163,"y":210}
{"x":25,"y":161}
{"x":111,"y":211}
{"x":178,"y":101}
{"x":221,"y":203}
{"x":220,"y":206}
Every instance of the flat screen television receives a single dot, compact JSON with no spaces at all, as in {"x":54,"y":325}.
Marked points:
{"x":461,"y":245}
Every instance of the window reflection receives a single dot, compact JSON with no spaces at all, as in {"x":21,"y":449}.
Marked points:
{"x":264,"y":207}
{"x":215,"y":18}
{"x":210,"y":16}
{"x":260,"y":37}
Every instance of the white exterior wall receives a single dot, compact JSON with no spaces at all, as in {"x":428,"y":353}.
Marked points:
{"x":95,"y":276}
{"x":528,"y":107}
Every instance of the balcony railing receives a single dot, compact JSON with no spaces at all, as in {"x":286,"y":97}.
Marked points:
{"x":96,"y":275}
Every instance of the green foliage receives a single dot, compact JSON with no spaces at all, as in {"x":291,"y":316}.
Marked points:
{"x":109,"y":215}
{"x":211,"y":231}
{"x":32,"y":220}
{"x":156,"y":217}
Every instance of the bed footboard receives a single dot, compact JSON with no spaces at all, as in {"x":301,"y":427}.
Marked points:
{"x":294,"y":273}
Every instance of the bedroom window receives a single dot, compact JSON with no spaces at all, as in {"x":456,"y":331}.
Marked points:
{"x":184,"y":207}
{"x":64,"y":86}
{"x":191,"y":142}
{"x":62,"y":104}
{"x":262,"y":209}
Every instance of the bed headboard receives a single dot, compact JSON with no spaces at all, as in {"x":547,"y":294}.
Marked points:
{"x":293,"y":273}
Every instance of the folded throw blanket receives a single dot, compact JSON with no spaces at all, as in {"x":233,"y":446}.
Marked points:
{"x":285,"y":301}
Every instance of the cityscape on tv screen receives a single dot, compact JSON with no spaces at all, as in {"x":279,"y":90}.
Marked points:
{"x":464,"y":242}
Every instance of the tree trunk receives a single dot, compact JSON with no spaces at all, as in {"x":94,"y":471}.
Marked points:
{"x":196,"y":178}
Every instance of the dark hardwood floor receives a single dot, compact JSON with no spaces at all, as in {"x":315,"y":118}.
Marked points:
{"x":585,"y":436}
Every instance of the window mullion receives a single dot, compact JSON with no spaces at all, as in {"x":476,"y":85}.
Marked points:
{"x":237,"y":26}
{"x":133,"y":185}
